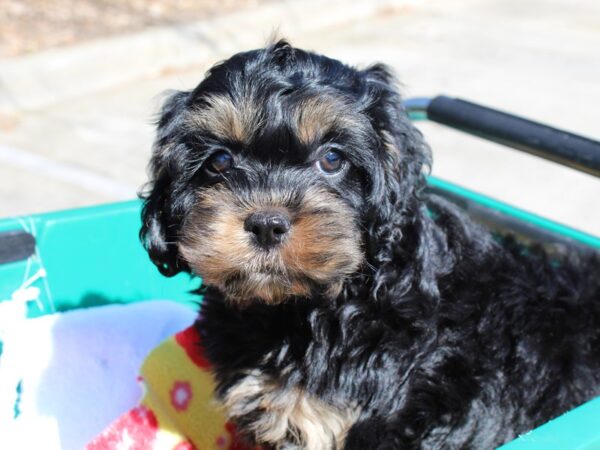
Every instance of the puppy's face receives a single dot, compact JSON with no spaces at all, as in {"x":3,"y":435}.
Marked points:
{"x":277,"y":195}
{"x":264,"y":176}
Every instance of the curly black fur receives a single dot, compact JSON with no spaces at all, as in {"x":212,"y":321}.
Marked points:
{"x":445,"y":337}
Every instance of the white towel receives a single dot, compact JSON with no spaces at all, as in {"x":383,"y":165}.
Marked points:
{"x":77,"y":371}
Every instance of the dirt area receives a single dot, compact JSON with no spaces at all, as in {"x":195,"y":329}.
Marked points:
{"x":32,"y":25}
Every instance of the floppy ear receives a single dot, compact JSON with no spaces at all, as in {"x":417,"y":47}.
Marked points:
{"x":400,"y":232}
{"x":164,"y":196}
{"x":403,"y":153}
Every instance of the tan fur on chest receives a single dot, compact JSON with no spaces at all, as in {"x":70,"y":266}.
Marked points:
{"x":288,"y":418}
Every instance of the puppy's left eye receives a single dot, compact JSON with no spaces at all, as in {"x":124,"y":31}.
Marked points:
{"x":219,"y":162}
{"x":332,"y":162}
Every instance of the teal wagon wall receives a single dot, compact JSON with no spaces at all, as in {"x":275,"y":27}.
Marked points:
{"x":90,"y":256}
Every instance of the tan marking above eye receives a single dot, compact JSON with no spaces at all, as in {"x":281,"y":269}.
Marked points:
{"x":315,"y":116}
{"x":231,"y":119}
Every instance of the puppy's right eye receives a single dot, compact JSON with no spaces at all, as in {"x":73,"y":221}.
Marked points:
{"x":219,"y":162}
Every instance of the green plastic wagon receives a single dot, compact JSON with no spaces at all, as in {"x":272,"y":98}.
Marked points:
{"x":92,"y":256}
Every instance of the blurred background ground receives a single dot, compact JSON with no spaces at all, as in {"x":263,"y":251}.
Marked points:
{"x":536,"y":58}
{"x":34,"y":25}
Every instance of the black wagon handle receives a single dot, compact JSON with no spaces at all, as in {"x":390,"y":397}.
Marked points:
{"x":532,"y":137}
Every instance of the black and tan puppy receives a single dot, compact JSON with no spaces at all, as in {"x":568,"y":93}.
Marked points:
{"x":343,"y":308}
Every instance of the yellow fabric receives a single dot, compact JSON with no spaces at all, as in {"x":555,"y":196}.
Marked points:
{"x":177,"y":411}
{"x":168,"y":371}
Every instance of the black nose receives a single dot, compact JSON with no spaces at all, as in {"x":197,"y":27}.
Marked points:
{"x":268,"y":227}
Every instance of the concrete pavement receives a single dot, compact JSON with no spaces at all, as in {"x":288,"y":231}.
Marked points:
{"x":539,"y":59}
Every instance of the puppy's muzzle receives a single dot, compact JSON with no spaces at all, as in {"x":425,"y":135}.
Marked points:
{"x":267,"y":228}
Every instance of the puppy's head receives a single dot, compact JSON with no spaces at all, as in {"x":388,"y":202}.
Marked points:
{"x":273,"y":177}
